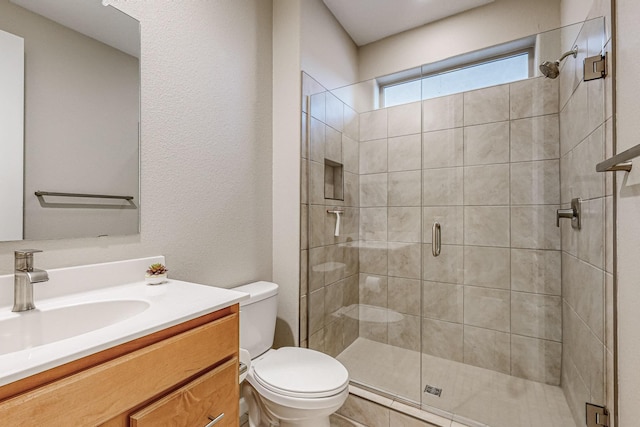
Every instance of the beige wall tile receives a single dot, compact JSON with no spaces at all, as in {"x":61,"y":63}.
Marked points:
{"x":476,"y":102}
{"x":373,"y":257}
{"x":333,"y":301}
{"x":487,"y":267}
{"x":404,"y":259}
{"x":317,"y":258}
{"x":574,"y":120}
{"x":404,"y":188}
{"x":487,"y":308}
{"x":334,"y":112}
{"x":486,"y":226}
{"x":350,"y":154}
{"x":535,"y":359}
{"x":373,"y":224}
{"x":404,"y":224}
{"x":536,"y":138}
{"x":404,"y":295}
{"x":373,"y":125}
{"x":447,"y":267}
{"x":443,"y":148}
{"x":537,"y":316}
{"x":351,"y":123}
{"x":442,"y":339}
{"x":534,"y":227}
{"x":486,"y":185}
{"x":534,"y":97}
{"x":317,"y":137}
{"x":591,"y":238}
{"x":583,"y":289}
{"x":318,"y":105}
{"x":443,"y":301}
{"x":333,"y":145}
{"x":442,"y":187}
{"x":442,"y":113}
{"x":351,"y":189}
{"x":405,"y":119}
{"x":487,"y":349}
{"x":535,"y":183}
{"x":450,"y":219}
{"x":373,"y":156}
{"x":316,"y":178}
{"x":373,"y":290}
{"x":536,"y":271}
{"x":486,"y":144}
{"x":405,"y":333}
{"x":405,"y":153}
{"x":316,"y":311}
{"x":373,"y":190}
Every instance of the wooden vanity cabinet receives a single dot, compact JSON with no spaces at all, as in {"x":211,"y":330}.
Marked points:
{"x":186,"y":375}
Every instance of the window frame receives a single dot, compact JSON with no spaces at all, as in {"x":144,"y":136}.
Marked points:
{"x":485,"y":56}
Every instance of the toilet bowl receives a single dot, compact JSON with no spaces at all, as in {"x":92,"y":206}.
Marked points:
{"x":290,"y":386}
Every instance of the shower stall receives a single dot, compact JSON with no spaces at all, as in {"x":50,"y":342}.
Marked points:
{"x":432,"y":265}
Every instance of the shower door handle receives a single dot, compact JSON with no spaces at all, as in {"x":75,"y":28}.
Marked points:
{"x":436,"y":238}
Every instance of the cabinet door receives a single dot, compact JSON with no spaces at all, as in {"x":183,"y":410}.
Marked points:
{"x":211,"y":396}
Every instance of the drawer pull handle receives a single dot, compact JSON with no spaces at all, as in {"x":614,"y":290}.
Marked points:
{"x":215,"y":420}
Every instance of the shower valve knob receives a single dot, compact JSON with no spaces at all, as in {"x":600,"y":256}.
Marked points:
{"x":573,"y":214}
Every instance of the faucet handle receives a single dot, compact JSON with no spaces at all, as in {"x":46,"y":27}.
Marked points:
{"x":24,"y":259}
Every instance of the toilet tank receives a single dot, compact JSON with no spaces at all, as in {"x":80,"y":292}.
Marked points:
{"x":258,"y":317}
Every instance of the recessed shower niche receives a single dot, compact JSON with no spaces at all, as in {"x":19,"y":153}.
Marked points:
{"x":333,"y":180}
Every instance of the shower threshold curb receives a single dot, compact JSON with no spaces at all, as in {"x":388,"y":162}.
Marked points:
{"x":411,"y":410}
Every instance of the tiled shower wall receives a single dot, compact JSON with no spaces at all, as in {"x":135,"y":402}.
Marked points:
{"x":329,"y":263}
{"x":587,"y":255}
{"x":485,"y":165}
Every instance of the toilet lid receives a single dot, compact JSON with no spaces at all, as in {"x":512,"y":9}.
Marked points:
{"x":301,"y":372}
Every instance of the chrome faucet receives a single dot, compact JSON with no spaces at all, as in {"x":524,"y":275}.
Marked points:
{"x":24,"y":278}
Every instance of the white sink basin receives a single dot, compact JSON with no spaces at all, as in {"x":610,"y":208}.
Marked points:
{"x":38,"y":327}
{"x":87,"y":309}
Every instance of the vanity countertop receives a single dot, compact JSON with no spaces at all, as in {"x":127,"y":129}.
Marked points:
{"x":157,"y":307}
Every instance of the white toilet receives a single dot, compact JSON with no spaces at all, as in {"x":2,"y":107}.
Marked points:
{"x":290,"y":386}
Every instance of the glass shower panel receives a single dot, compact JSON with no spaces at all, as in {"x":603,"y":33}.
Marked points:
{"x":493,"y":330}
{"x":506,"y":314}
{"x":364,"y":284}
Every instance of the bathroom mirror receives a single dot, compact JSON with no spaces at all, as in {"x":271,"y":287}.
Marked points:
{"x":81,"y":109}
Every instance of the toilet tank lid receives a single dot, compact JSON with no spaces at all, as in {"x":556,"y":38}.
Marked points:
{"x":258,"y":291}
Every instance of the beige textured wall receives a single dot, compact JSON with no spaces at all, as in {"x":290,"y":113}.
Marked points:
{"x":327,"y":52}
{"x":206,"y":147}
{"x":495,"y":23}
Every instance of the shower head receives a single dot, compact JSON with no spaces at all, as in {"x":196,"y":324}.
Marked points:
{"x":552,"y":69}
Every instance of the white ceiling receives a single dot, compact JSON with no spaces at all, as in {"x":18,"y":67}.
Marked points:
{"x":367,"y":21}
{"x":91,"y":18}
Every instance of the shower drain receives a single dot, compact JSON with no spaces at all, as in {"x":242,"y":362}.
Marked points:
{"x":433,"y":390}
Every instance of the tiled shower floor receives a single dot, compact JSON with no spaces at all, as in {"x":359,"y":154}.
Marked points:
{"x":468,"y":392}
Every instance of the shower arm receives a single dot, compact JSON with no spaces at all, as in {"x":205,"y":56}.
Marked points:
{"x":573,"y":52}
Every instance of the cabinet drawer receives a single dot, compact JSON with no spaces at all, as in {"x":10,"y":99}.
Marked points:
{"x":96,"y":395}
{"x":210,"y":396}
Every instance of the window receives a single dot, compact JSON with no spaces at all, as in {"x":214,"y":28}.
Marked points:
{"x":495,"y":71}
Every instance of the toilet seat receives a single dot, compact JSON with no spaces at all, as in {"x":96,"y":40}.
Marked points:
{"x":300,"y":373}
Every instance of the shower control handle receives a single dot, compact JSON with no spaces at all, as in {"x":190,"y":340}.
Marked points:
{"x":574,"y":214}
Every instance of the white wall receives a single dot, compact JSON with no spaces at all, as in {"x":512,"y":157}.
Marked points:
{"x":628,"y":212}
{"x":495,"y":23}
{"x":206,"y":147}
